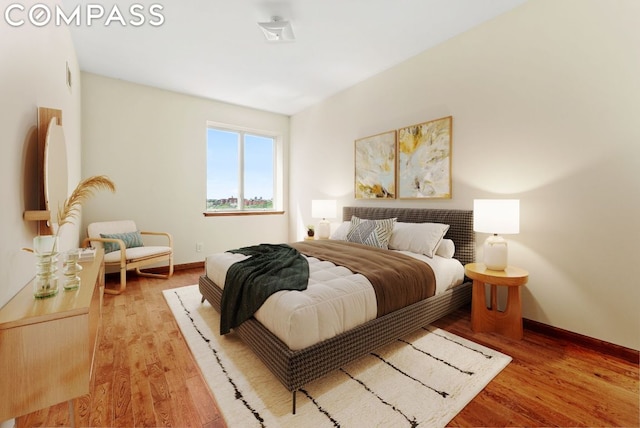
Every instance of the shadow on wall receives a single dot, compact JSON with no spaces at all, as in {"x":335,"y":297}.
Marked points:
{"x":30,"y":174}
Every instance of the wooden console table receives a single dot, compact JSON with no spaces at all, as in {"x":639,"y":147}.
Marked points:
{"x":47,"y":345}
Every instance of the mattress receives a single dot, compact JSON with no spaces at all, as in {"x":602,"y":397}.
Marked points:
{"x":336,"y":299}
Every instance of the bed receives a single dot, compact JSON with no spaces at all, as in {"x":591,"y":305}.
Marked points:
{"x":296,"y":367}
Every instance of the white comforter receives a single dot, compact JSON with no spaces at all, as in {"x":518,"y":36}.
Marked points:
{"x":335,"y":300}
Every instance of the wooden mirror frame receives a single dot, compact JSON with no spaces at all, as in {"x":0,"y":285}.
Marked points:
{"x":55,"y":171}
{"x":47,"y":117}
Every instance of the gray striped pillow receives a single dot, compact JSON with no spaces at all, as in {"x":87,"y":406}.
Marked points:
{"x":375,"y":233}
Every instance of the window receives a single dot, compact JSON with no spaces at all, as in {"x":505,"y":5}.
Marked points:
{"x":241,"y":170}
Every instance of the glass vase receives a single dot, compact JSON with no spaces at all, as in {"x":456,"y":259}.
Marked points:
{"x":45,"y":283}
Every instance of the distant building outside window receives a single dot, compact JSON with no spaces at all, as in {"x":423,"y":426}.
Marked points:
{"x":241,"y":170}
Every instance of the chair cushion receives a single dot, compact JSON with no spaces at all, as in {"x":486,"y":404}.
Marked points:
{"x":130,"y":239}
{"x":137,"y":253}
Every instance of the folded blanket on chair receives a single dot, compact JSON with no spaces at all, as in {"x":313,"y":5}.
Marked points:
{"x":269,"y":268}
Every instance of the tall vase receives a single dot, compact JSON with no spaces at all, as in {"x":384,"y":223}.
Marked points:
{"x":45,"y":283}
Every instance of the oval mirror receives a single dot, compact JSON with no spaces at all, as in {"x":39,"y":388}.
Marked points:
{"x":55,"y":170}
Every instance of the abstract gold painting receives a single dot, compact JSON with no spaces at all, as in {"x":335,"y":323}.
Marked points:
{"x":424,"y":160}
{"x":375,"y":166}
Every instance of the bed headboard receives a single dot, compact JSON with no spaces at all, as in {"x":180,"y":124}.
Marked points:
{"x":460,"y":222}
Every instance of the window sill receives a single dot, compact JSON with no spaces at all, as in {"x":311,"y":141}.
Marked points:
{"x":239,"y":213}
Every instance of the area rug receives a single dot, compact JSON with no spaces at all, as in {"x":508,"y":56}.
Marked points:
{"x":423,"y":379}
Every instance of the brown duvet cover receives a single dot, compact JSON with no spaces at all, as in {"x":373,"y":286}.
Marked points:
{"x":398,"y":280}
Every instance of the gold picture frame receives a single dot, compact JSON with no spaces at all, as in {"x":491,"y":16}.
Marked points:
{"x":424,"y":160}
{"x":375,"y":166}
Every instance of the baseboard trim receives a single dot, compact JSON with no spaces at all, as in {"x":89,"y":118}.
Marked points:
{"x":627,"y":354}
{"x":185,"y":266}
{"x":163,"y":269}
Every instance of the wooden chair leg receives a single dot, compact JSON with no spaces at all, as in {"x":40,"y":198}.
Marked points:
{"x":123,"y":283}
{"x":123,"y":277}
{"x":152,"y":275}
{"x":158,"y":275}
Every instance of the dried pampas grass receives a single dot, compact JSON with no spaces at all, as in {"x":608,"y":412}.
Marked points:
{"x":82,"y":192}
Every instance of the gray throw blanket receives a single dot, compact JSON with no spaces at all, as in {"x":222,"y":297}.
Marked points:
{"x":250,"y":282}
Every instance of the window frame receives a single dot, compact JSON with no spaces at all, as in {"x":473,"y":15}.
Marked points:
{"x":278,"y":170}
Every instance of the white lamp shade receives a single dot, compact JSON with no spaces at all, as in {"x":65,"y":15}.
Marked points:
{"x":497,"y":216}
{"x":323,"y":208}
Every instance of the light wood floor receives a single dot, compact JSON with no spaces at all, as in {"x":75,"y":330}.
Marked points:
{"x":146,"y":376}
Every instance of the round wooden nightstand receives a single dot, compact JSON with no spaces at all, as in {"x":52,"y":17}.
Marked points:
{"x":483,"y":318}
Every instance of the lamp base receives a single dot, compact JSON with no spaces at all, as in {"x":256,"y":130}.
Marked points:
{"x":495,"y":253}
{"x":324,"y":229}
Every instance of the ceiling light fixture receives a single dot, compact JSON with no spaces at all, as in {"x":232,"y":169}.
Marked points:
{"x":277,"y":30}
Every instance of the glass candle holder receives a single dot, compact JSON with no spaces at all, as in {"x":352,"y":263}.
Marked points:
{"x":70,"y":269}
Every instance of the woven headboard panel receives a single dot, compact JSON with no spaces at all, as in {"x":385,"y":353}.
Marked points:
{"x":460,"y":222}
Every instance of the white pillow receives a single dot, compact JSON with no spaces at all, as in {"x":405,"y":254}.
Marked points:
{"x":421,"y":238}
{"x":446,"y":249}
{"x":341,"y":232}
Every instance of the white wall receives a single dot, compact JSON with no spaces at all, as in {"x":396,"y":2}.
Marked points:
{"x":152,"y":144}
{"x":545,"y":102}
{"x":32,"y":74}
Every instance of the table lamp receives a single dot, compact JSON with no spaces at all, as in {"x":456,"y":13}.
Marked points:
{"x":496,"y":216}
{"x":323,"y":208}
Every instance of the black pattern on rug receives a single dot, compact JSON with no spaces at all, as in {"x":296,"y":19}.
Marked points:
{"x":412,"y":422}
{"x":320,"y":408}
{"x":238,"y":393}
{"x":432,"y":331}
{"x":443,"y":394}
{"x":440,"y":360}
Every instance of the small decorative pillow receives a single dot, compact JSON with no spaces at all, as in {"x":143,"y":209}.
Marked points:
{"x":375,"y":233}
{"x":130,"y":239}
{"x":420,"y":238}
{"x":446,"y":249}
{"x":341,"y":232}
